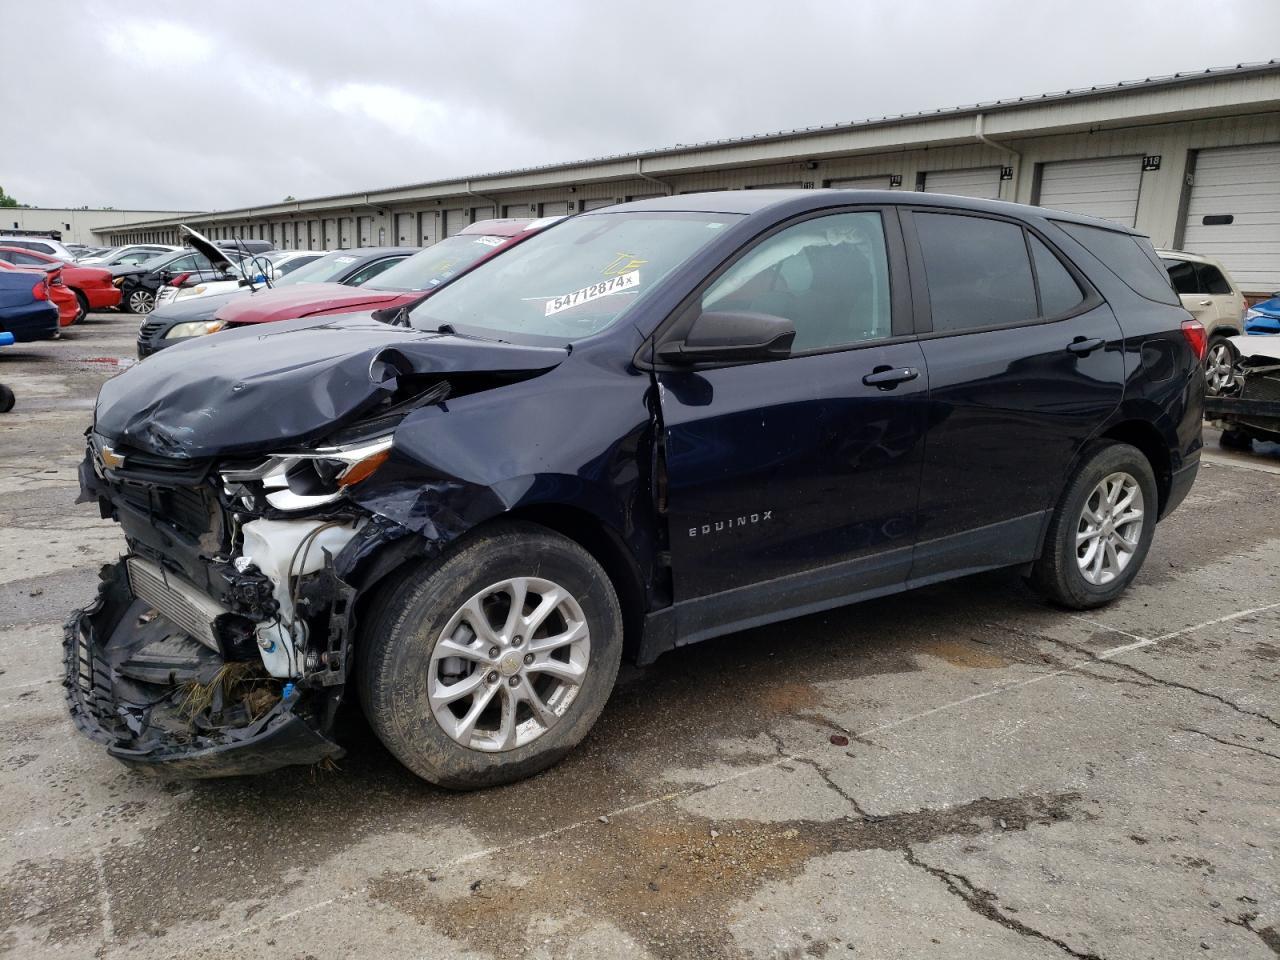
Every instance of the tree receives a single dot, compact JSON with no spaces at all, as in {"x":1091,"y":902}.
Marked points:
{"x":8,"y":201}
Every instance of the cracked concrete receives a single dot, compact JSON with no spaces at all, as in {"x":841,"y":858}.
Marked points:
{"x":963,"y":772}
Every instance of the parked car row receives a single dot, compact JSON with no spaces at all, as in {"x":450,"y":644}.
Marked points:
{"x":366,"y":278}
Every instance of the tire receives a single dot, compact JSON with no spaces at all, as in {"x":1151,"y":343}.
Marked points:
{"x":1235,"y":440}
{"x":140,"y":301}
{"x":84,"y":305}
{"x":1219,"y":367}
{"x":401,"y":658}
{"x":1058,"y":574}
{"x":7,"y":399}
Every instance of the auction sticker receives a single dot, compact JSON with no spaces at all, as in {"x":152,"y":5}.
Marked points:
{"x":593,"y":292}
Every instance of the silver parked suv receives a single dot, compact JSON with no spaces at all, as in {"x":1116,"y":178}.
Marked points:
{"x":1212,"y":297}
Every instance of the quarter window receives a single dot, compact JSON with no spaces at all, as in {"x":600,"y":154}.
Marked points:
{"x":977,"y":271}
{"x":1059,"y":291}
{"x":829,"y":276}
{"x":1129,"y":256}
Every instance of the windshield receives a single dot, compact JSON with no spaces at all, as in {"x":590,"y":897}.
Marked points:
{"x":437,"y":263}
{"x":575,"y":279}
{"x":325,"y":270}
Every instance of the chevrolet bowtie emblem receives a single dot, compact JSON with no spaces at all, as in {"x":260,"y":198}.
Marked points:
{"x":110,"y":459}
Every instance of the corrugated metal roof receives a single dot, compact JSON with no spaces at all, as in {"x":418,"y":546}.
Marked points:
{"x":990,"y":106}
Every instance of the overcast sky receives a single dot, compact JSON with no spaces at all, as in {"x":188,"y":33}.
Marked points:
{"x":230,"y":104}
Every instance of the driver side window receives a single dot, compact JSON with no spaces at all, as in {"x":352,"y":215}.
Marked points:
{"x":828,"y":275}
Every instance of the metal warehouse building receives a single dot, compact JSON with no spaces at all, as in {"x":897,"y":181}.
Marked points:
{"x":1192,"y":159}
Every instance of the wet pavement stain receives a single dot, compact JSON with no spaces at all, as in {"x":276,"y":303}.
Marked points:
{"x":672,"y":883}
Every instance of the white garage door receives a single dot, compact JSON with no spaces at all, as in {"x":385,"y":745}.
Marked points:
{"x":429,"y":223}
{"x":796,"y":185}
{"x":1105,"y":188}
{"x":557,"y":209}
{"x":597,"y":204}
{"x":878,"y":182}
{"x":454,"y":221}
{"x":482,"y":213}
{"x":983,"y":182}
{"x":1234,"y":213}
{"x":406,"y":230}
{"x":518,"y":210}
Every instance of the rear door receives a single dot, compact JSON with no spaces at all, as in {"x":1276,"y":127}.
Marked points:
{"x":791,"y":484}
{"x":1025,"y":363}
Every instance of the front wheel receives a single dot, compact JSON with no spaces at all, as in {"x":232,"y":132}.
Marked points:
{"x":141,"y":302}
{"x":1219,"y":367}
{"x":84,"y":306}
{"x":491,"y":664}
{"x":1102,"y":529}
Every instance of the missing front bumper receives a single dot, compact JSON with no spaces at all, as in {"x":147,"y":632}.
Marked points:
{"x":130,"y":677}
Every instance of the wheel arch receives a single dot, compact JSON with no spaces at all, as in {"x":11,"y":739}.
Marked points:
{"x":1144,"y":435}
{"x":607,"y":547}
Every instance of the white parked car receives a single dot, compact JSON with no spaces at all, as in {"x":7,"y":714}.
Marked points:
{"x":272,"y":265}
{"x":53,"y":248}
{"x":1210,"y":295}
{"x":129,"y":254}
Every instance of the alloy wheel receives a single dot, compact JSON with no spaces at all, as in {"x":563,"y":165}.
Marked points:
{"x":142,"y":302}
{"x":1109,"y":529}
{"x":508,"y":664}
{"x":1219,"y":363}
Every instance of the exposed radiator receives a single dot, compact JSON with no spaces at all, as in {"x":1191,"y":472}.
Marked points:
{"x":176,"y":600}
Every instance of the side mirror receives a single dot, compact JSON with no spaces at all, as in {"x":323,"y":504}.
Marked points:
{"x":732,"y":337}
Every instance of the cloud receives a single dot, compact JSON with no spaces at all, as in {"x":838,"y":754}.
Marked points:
{"x":201,"y":108}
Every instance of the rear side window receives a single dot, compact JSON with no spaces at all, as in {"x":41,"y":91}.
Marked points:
{"x":1129,"y":257}
{"x":1212,"y":280}
{"x":1059,"y":292}
{"x":1182,"y":274}
{"x":977,"y":271}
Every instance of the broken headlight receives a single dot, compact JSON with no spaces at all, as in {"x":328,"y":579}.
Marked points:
{"x":300,"y":481}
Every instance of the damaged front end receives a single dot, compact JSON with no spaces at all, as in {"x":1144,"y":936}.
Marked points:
{"x":219,"y":645}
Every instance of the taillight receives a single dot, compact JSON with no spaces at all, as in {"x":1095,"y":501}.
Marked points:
{"x":1196,"y":336}
{"x":41,"y":290}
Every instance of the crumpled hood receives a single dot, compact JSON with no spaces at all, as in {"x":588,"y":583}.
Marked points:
{"x":291,"y":384}
{"x":305,"y":300}
{"x":1263,"y":346}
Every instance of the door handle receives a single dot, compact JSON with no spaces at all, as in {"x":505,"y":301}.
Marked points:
{"x":886,"y":378}
{"x":1082,"y":347}
{"x":1206,"y":303}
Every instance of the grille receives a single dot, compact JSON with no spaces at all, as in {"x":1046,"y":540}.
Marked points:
{"x":178,"y":601}
{"x":150,"y":328}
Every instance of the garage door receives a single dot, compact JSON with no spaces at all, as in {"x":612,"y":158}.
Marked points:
{"x":556,"y":209}
{"x":1234,"y":213}
{"x":406,"y":230}
{"x":1097,"y":188}
{"x":796,"y":185}
{"x":331,"y":234}
{"x":878,"y":182}
{"x":983,"y":182}
{"x":597,"y":204}
{"x":454,"y":221}
{"x":482,"y":213}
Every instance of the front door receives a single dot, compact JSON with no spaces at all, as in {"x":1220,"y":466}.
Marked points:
{"x":792,"y":484}
{"x":1025,"y":364}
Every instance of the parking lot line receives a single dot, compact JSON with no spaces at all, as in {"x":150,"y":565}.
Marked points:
{"x":1137,"y":644}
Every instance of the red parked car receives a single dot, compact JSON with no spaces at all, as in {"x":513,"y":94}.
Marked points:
{"x":400,"y":284}
{"x":92,"y":286}
{"x":66,"y":301}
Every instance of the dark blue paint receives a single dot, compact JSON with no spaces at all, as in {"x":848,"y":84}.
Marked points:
{"x":21,"y":314}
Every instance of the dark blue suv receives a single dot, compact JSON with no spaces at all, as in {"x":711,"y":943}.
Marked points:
{"x":649,"y":425}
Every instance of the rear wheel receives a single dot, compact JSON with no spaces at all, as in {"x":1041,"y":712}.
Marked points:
{"x":489,"y":665}
{"x":84,"y":305}
{"x":1101,"y":532}
{"x":7,"y":399}
{"x":140,"y":302}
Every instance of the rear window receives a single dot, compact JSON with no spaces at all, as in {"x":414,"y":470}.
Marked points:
{"x":1129,"y":257}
